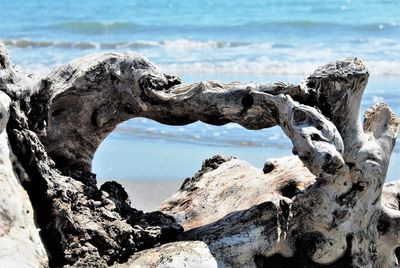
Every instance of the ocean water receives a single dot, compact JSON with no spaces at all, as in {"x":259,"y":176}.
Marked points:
{"x":263,"y":41}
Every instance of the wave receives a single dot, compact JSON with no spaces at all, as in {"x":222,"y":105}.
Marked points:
{"x":168,"y":44}
{"x":93,"y":27}
{"x":182,"y":44}
{"x":240,"y":68}
{"x":217,"y":137}
{"x":323,"y":25}
{"x":26,"y":43}
{"x":209,"y":138}
{"x":265,"y":66}
{"x":184,"y":56}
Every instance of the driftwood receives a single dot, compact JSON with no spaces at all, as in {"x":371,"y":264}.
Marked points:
{"x":323,"y":207}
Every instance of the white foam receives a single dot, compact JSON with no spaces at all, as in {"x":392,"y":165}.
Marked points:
{"x":193,"y":57}
{"x":185,"y":44}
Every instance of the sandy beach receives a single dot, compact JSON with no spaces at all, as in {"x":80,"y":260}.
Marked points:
{"x":147,"y":195}
{"x":152,"y":170}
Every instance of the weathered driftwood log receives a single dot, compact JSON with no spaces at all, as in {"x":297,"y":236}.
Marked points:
{"x":80,"y":224}
{"x":20,"y":244}
{"x":333,"y":215}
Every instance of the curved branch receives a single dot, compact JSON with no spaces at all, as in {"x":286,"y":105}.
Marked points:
{"x":88,"y":97}
{"x":383,"y":124}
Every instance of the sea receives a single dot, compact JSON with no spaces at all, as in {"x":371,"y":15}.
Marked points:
{"x":227,"y":40}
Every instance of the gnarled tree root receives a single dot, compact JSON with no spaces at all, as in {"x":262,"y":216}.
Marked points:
{"x":332,"y":215}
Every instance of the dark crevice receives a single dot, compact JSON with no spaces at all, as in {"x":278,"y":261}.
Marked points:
{"x":349,"y":198}
{"x":290,"y":189}
{"x":383,"y":225}
{"x":397,"y":252}
{"x":305,"y":246}
{"x":398,"y":201}
{"x":331,"y":165}
{"x":40,"y":103}
{"x":316,"y":137}
{"x":310,"y":84}
{"x":350,"y":165}
{"x":285,"y":210}
{"x":151,"y":82}
{"x":129,"y":109}
{"x":247,"y":101}
{"x":2,"y":62}
{"x":305,"y":156}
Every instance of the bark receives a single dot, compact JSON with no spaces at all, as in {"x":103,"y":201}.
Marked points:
{"x":326,"y":210}
{"x":177,"y":254}
{"x":80,"y":224}
{"x":20,"y":244}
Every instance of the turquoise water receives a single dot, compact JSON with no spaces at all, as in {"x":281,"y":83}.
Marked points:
{"x":225,"y":37}
{"x":198,"y":40}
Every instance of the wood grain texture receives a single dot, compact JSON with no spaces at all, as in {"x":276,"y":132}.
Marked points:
{"x":328,"y":206}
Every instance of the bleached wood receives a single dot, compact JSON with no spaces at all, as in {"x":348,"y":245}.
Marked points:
{"x":337,"y":219}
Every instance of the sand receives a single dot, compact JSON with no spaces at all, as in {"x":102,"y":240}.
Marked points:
{"x":148,"y":195}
